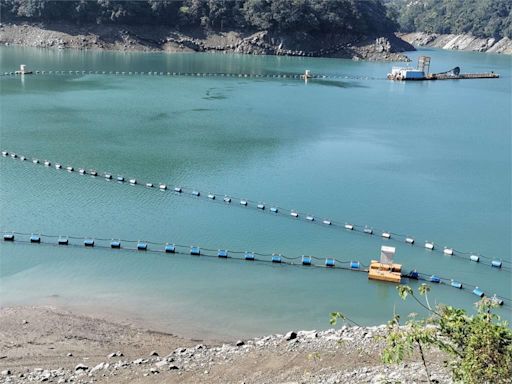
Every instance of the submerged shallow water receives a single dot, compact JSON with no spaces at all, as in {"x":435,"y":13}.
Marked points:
{"x":427,"y":159}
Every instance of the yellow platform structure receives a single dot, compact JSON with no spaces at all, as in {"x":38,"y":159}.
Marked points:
{"x":385,"y":272}
{"x":385,"y":269}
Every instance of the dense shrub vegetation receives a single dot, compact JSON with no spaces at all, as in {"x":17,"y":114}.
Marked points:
{"x":481,"y":18}
{"x":359,"y":17}
{"x":478,"y":346}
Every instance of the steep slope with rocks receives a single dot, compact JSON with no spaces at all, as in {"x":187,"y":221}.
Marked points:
{"x":154,"y":38}
{"x":459,"y":42}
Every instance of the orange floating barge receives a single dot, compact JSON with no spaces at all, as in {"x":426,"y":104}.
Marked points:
{"x":385,"y":270}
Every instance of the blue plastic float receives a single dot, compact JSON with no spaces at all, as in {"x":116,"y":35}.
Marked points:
{"x":9,"y":237}
{"x":89,"y":242}
{"x":355,"y":265}
{"x":435,"y":279}
{"x":413,"y":275}
{"x":170,"y":248}
{"x":497,"y":300}
{"x":306,"y":260}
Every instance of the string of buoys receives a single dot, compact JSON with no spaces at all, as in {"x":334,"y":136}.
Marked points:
{"x":277,"y":210}
{"x":198,"y":74}
{"x":195,"y":250}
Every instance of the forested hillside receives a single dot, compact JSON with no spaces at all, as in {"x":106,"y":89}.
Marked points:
{"x":310,"y":16}
{"x":481,"y":18}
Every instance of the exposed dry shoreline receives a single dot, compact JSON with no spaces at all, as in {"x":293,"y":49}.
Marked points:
{"x":47,"y":344}
{"x":154,"y":38}
{"x":459,"y":42}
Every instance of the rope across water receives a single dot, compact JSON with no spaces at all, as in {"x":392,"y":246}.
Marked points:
{"x":275,"y":258}
{"x":295,"y":76}
{"x":275,"y":210}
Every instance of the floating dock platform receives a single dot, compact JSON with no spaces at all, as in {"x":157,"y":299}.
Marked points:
{"x":385,"y":270}
{"x":23,"y":70}
{"x":443,"y":76}
{"x":461,"y":76}
{"x":421,"y":73}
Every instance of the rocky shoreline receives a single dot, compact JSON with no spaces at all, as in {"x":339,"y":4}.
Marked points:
{"x":459,"y":42}
{"x":154,"y":39}
{"x":43,"y":344}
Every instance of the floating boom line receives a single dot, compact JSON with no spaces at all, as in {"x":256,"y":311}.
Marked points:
{"x":291,"y":76}
{"x":141,"y":246}
{"x":275,"y":210}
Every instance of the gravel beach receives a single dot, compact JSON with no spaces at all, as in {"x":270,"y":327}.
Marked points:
{"x":46,"y":344}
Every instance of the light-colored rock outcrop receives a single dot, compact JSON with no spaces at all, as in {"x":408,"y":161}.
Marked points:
{"x":154,"y":38}
{"x":459,"y":42}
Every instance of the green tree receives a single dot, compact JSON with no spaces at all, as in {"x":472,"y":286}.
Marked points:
{"x":479,"y":345}
{"x":258,"y":14}
{"x":309,"y":16}
{"x":481,"y":18}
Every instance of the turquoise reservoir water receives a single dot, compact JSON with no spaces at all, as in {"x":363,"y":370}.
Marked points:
{"x":427,"y":159}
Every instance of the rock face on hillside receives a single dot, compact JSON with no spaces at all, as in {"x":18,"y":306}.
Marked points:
{"x":459,"y":42}
{"x":151,"y":38}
